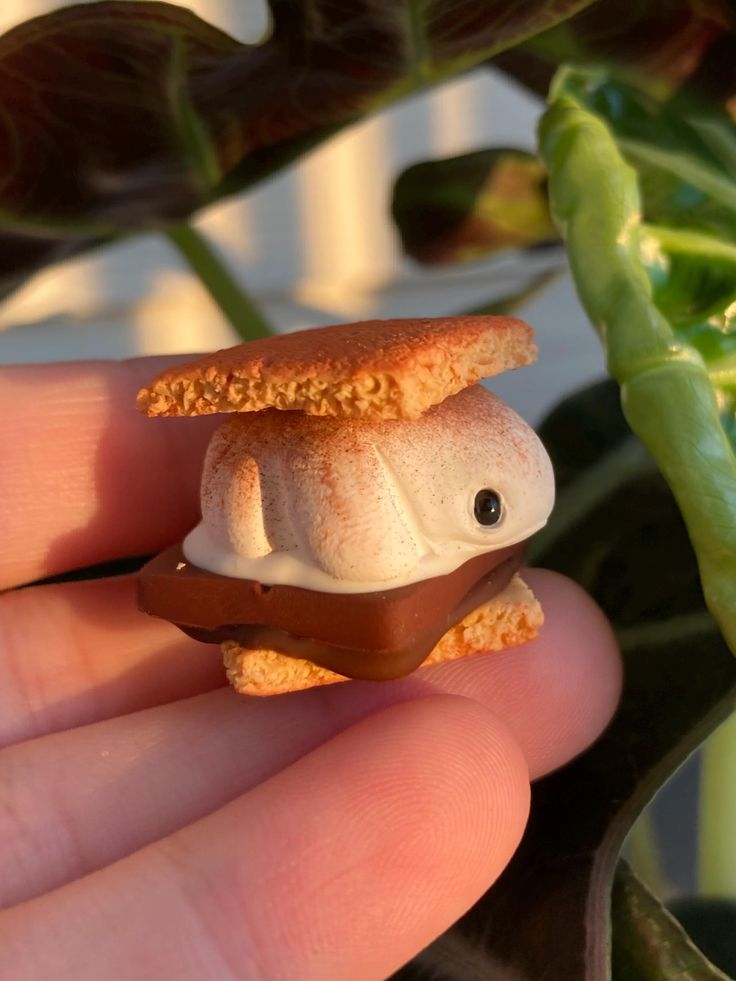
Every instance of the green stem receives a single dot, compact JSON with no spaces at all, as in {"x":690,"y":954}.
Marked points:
{"x":666,"y":394}
{"x":688,"y":243}
{"x":717,"y":818}
{"x":235,"y":304}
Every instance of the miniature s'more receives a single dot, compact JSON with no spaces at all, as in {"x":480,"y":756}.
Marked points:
{"x":364,"y":506}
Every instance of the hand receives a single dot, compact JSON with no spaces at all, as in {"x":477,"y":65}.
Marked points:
{"x":154,"y":824}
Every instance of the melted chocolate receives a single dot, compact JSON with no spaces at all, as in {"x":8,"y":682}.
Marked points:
{"x":357,"y":662}
{"x":376,"y":635}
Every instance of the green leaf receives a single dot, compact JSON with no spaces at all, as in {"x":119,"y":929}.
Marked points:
{"x":128,"y":114}
{"x":466,"y":207}
{"x":693,"y":278}
{"x":684,"y":167}
{"x":547,"y":917}
{"x":648,"y":942}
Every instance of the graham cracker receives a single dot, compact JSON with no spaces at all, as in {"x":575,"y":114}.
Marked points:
{"x":376,"y":369}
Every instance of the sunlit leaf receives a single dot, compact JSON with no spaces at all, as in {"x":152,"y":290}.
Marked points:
{"x":466,"y":207}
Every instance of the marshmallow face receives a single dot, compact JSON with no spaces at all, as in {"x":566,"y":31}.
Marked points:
{"x":472,"y":442}
{"x":356,"y":506}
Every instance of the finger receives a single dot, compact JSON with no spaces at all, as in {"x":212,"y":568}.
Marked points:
{"x":86,"y":477}
{"x":343,"y":865}
{"x":75,"y":653}
{"x":559,"y":691}
{"x":78,"y":800}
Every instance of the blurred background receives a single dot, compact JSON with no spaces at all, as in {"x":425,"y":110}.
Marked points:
{"x":315,"y":245}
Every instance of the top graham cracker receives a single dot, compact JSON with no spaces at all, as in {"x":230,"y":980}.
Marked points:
{"x":376,"y":369}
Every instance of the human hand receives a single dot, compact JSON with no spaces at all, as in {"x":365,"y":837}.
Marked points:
{"x":156,"y":825}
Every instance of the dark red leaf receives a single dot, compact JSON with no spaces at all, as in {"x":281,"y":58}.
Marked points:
{"x":680,"y":42}
{"x":128,"y":114}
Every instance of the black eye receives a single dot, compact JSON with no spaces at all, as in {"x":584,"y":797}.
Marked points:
{"x":487,"y":507}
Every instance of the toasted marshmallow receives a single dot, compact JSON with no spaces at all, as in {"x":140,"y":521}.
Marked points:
{"x":348,"y":506}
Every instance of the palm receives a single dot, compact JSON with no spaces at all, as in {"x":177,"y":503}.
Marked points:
{"x":156,"y":825}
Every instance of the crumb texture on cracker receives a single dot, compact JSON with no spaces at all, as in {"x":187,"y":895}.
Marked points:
{"x":380,"y":369}
{"x":508,"y":620}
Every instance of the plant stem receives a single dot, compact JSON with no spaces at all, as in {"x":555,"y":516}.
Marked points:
{"x":689,"y":243}
{"x":238,"y":308}
{"x":717,"y":818}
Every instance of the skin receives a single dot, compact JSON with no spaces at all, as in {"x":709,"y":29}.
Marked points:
{"x":155,"y":825}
